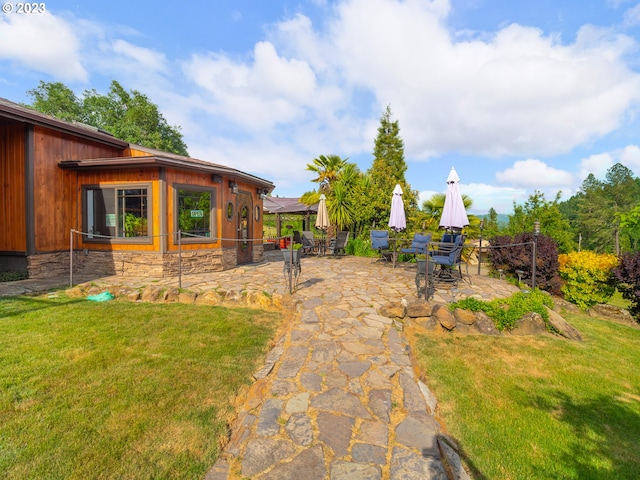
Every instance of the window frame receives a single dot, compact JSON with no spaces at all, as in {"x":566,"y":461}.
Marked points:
{"x":116,"y":187}
{"x":213,"y":224}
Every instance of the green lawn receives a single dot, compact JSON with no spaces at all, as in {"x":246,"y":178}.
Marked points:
{"x":120,"y":390}
{"x":541,"y":407}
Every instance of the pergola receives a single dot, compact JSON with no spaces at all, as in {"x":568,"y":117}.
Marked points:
{"x":290,"y":206}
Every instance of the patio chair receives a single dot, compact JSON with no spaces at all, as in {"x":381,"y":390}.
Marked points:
{"x":380,"y":242}
{"x":308,"y":241}
{"x":450,"y":260}
{"x":339,"y":244}
{"x":418,"y":244}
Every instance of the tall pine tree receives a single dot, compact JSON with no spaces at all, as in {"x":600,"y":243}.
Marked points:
{"x":387,"y":170}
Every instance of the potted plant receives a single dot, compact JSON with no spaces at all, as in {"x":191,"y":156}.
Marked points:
{"x":286,"y":254}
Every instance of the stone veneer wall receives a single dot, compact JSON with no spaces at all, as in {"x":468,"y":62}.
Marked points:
{"x":135,"y":264}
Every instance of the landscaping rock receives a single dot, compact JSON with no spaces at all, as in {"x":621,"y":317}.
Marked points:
{"x":152,"y":293}
{"x":485,"y":325}
{"x":187,"y":297}
{"x":466,"y":317}
{"x":418,"y":308}
{"x":444,"y":316}
{"x":171,"y":294}
{"x":613,"y":312}
{"x":563,"y":327}
{"x":560,"y":304}
{"x":392,"y":311}
{"x":210,"y":297}
{"x":530,"y":324}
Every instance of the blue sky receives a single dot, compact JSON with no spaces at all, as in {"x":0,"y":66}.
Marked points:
{"x":517,"y":96}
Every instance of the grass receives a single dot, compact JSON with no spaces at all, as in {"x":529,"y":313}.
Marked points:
{"x":617,"y":301}
{"x":540,"y":407}
{"x":120,"y":390}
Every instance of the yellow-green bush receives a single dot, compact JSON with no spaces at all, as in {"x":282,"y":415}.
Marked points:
{"x":587,"y":277}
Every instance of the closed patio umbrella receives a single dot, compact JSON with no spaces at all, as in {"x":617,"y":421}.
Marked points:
{"x":322,"y":220}
{"x":397,"y":219}
{"x":454,"y":215}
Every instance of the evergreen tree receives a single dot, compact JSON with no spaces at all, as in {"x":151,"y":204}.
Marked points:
{"x":387,"y":170}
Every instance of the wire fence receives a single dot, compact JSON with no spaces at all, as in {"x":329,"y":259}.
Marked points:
{"x":178,"y":235}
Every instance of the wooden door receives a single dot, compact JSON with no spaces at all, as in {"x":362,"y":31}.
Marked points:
{"x":245,"y":232}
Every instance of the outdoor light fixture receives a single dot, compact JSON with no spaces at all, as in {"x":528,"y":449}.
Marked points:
{"x":536,"y":228}
{"x":261,"y":193}
{"x":233,"y":186}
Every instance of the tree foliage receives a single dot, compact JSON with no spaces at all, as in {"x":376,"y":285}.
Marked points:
{"x":552,"y":222}
{"x":627,"y":275}
{"x":511,"y":254}
{"x":130,"y":116}
{"x":602,"y":212}
{"x":387,"y":170}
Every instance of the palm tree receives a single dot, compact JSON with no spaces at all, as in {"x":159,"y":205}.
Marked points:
{"x":336,"y":178}
{"x":328,"y":169}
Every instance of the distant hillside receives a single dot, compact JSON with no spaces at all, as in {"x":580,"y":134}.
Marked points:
{"x":503,"y":219}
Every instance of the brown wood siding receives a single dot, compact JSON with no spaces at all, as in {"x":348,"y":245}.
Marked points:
{"x":174,"y":177}
{"x":55,"y":195}
{"x":122,"y":177}
{"x":13,"y":233}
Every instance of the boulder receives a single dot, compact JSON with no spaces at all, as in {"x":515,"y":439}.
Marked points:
{"x":187,"y":297}
{"x":152,"y":293}
{"x":612,"y":312}
{"x":210,"y":297}
{"x":392,"y":311}
{"x":444,"y":316}
{"x":562,"y":326}
{"x":418,"y":308}
{"x":530,"y":324}
{"x":485,"y":325}
{"x":171,"y":294}
{"x":466,"y":317}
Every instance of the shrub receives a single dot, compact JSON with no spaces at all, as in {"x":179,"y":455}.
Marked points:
{"x":627,"y":278}
{"x":12,"y":276}
{"x":587,"y":277}
{"x":359,"y":247}
{"x":505,"y":312}
{"x":514,"y":253}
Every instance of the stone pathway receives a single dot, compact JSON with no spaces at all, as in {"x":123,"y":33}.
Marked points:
{"x":338,"y":397}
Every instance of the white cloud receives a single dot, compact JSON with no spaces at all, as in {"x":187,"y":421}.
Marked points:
{"x":44,"y":43}
{"x":257,"y":94}
{"x":534,"y":173}
{"x":143,"y":57}
{"x":630,"y":157}
{"x":597,"y":164}
{"x":519,"y":93}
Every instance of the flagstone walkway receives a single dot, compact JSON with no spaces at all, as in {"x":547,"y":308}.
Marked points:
{"x":338,"y":397}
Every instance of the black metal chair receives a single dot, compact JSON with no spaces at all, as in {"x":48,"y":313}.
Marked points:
{"x":449,"y":257}
{"x":339,"y":244}
{"x":308,"y":241}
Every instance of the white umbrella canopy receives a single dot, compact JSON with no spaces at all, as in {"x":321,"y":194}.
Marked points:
{"x":397,"y":220}
{"x":454,"y":215}
{"x":322,"y":219}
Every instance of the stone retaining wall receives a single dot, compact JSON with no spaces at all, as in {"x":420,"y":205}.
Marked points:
{"x":138,"y":264}
{"x":158,"y":294}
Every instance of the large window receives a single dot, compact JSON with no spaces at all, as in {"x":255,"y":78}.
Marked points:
{"x":116,"y":212}
{"x":194,"y":211}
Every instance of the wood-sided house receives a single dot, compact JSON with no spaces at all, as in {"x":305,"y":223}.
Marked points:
{"x":117,"y":206}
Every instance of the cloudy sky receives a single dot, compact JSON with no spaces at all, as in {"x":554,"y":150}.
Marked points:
{"x":518,"y":96}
